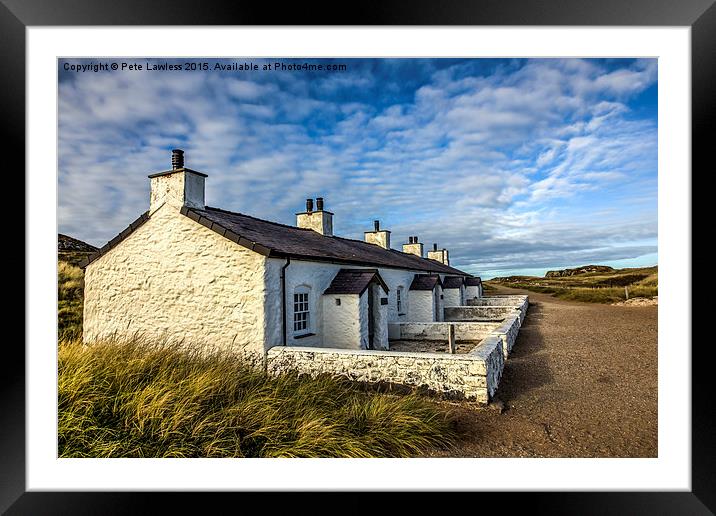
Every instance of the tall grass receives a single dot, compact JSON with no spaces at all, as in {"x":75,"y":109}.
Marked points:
{"x":145,"y":399}
{"x":70,"y":285}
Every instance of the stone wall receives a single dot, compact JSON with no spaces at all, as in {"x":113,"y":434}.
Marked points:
{"x":439,"y":330}
{"x":507,"y":332}
{"x":471,"y":313}
{"x":473,"y":376}
{"x":520,"y":302}
{"x":175,"y":279}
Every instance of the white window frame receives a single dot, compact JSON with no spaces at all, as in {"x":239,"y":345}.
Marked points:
{"x":301,"y":310}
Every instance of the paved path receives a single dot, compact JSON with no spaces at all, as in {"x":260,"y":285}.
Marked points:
{"x":581,"y":382}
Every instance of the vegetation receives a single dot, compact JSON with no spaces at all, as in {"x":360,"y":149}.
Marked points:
{"x":145,"y":399}
{"x":139,"y":398}
{"x":70,"y":285}
{"x":593,"y":287}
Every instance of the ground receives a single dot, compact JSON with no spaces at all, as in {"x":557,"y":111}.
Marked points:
{"x":581,"y":382}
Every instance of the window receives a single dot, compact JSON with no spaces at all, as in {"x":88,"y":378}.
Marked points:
{"x":399,"y":299}
{"x":301,"y":314}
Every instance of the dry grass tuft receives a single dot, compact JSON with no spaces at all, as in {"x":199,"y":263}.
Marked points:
{"x":144,"y":399}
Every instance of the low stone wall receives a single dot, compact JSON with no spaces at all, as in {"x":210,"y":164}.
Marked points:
{"x":473,"y":313}
{"x":507,"y":332}
{"x":439,"y":330}
{"x":473,"y":376}
{"x":519,"y":302}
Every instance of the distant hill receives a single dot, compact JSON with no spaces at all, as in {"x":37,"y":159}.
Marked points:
{"x":72,"y":250}
{"x":584,"y":269}
{"x":67,"y":243}
{"x":598,"y":283}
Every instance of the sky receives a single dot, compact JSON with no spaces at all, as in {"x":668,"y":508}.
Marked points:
{"x":516,"y":166}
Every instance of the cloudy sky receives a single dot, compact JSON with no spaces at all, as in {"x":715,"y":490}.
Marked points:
{"x":515,"y":166}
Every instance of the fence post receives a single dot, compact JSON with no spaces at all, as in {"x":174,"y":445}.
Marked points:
{"x":626,"y":292}
{"x":451,"y":338}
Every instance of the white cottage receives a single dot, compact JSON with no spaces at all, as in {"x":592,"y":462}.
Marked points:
{"x":187,"y":271}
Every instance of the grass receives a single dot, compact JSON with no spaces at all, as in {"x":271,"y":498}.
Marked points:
{"x":596,"y":287}
{"x":70,"y":285}
{"x":147,"y":399}
{"x":142,"y":398}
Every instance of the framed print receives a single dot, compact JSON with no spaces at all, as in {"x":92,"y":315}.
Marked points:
{"x":414,"y":250}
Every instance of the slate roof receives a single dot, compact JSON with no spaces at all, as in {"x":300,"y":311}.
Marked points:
{"x":424,"y":282}
{"x":279,"y":240}
{"x":473,"y":281}
{"x":354,"y":281}
{"x":453,"y":281}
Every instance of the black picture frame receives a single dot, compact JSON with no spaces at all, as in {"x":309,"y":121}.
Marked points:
{"x":700,"y":15}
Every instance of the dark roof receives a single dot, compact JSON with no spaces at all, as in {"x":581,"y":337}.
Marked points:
{"x":354,"y":281}
{"x":474,"y":281}
{"x":453,"y":281}
{"x":425,"y":282}
{"x":278,"y":240}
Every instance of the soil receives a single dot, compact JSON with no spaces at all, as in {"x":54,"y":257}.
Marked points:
{"x":581,"y":382}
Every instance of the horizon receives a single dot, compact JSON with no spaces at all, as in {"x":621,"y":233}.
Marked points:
{"x":513,"y":165}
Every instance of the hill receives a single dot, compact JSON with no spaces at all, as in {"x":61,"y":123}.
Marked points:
{"x":579,"y":270}
{"x":592,"y":283}
{"x":72,"y":250}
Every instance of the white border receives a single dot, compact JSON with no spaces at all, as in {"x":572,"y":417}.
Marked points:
{"x":670,"y":471}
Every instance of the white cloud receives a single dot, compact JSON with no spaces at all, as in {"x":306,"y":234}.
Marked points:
{"x":491,"y":165}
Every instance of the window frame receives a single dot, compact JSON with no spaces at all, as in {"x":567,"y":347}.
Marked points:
{"x":302,"y":309}
{"x":400,"y":300}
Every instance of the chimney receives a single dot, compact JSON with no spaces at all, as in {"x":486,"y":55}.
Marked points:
{"x":439,"y":255}
{"x":320,"y":221}
{"x":177,"y":187}
{"x":378,"y":236}
{"x":413,"y":247}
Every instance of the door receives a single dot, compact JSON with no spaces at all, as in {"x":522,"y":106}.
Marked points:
{"x":371,"y":311}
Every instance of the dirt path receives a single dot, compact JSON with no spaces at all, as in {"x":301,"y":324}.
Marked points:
{"x":581,"y":382}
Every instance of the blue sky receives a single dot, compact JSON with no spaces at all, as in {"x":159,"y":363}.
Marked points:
{"x":514,"y":165}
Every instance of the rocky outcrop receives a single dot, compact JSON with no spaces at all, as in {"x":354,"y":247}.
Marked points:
{"x":68,"y":244}
{"x":579,"y":270}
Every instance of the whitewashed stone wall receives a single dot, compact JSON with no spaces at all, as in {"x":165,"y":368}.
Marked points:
{"x":507,"y":332}
{"x":472,"y":292}
{"x":173,"y":278}
{"x":343,"y":323}
{"x":468,"y":313}
{"x":319,"y":276}
{"x":439,"y":330}
{"x":521,"y":302}
{"x":474,"y":376}
{"x":453,"y":296}
{"x":380,"y":332}
{"x":421,"y":305}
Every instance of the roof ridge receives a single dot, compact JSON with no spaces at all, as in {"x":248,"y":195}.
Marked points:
{"x":426,"y":262}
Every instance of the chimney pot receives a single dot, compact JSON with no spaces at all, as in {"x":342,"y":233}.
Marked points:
{"x":309,"y":205}
{"x":435,"y":247}
{"x":177,"y":159}
{"x":376,"y":225}
{"x":319,"y":203}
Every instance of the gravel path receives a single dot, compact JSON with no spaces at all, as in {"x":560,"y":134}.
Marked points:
{"x":581,"y":382}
